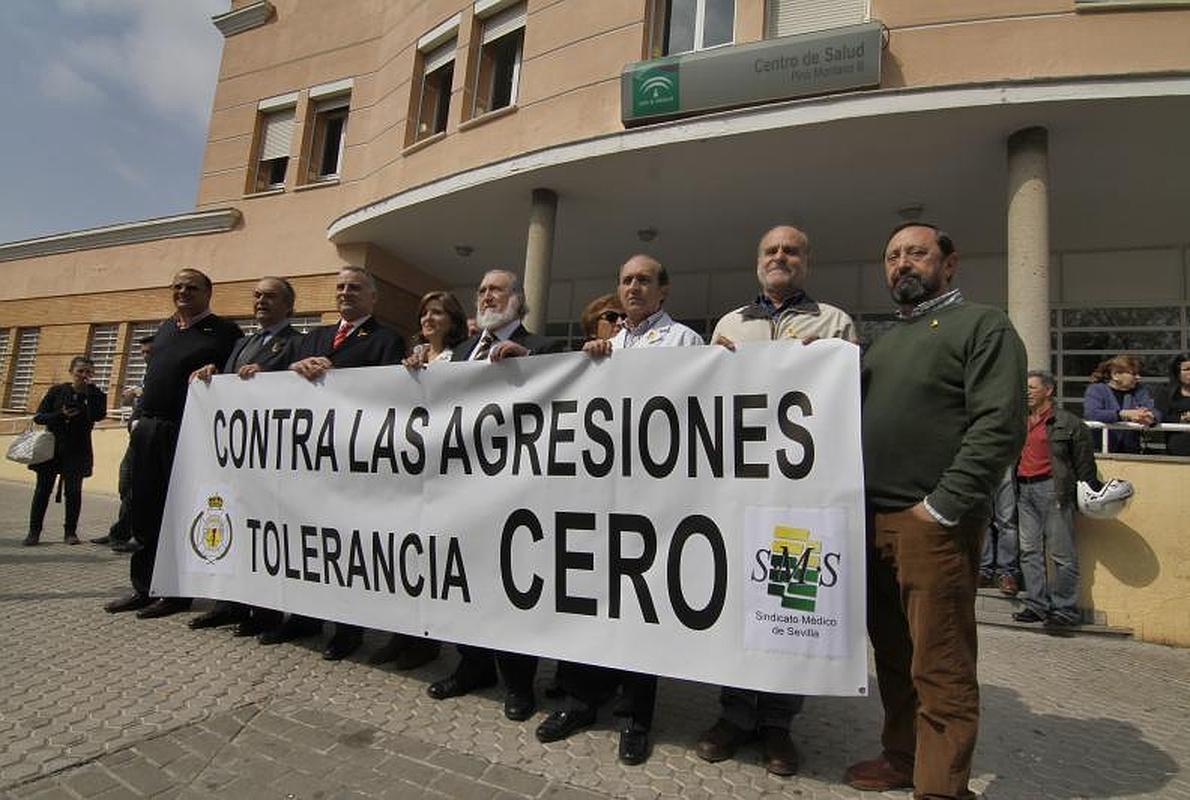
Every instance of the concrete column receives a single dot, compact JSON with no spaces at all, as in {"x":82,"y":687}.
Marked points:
{"x":1029,"y":242}
{"x":539,"y":254}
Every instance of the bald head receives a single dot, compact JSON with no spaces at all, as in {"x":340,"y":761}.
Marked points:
{"x":782,"y":262}
{"x":643,"y":287}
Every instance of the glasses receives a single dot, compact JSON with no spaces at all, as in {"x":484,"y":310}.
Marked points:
{"x":612,"y":316}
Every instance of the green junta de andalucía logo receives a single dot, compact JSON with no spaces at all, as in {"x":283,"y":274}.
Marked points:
{"x":655,"y":89}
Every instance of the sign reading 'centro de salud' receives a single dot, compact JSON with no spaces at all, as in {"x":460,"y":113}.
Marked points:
{"x":775,"y":69}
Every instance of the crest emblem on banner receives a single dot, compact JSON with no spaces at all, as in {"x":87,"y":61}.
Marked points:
{"x":210,"y":533}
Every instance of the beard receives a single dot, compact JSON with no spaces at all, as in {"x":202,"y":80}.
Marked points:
{"x":911,"y":289}
{"x":491,"y":319}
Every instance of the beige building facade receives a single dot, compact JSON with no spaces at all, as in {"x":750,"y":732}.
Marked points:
{"x":431,"y":140}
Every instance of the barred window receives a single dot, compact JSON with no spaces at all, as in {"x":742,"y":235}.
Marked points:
{"x":134,"y":363}
{"x":102,"y":352}
{"x":22,"y":371}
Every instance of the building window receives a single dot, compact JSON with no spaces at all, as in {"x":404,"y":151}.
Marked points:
{"x":329,"y":126}
{"x":22,"y":370}
{"x":276,"y":135}
{"x":102,"y":352}
{"x":791,"y":17}
{"x":437,"y":75}
{"x":498,"y":66}
{"x":134,"y":362}
{"x":5,"y":353}
{"x":683,"y":26}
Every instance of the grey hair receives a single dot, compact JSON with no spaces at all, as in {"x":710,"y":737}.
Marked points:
{"x":1046,"y":378}
{"x":367,"y":277}
{"x":514,"y":286}
{"x":286,"y":289}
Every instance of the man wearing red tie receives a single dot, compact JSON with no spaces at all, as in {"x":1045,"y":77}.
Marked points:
{"x":356,"y":340}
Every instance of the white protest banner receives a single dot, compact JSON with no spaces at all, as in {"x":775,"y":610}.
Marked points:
{"x":689,"y":512}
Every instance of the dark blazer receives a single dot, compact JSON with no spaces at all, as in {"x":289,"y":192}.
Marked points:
{"x":537,"y":345}
{"x":273,"y":356}
{"x":369,"y":345}
{"x":72,"y":435}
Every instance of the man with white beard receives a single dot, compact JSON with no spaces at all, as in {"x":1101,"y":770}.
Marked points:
{"x":500,"y":307}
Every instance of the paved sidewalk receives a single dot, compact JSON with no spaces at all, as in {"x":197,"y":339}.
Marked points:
{"x":96,"y":705}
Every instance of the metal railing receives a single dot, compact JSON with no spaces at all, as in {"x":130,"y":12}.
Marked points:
{"x":1163,"y":427}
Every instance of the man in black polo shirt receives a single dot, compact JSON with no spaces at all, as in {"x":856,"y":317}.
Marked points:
{"x":194,"y":336}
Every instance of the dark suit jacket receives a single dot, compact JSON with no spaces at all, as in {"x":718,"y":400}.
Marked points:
{"x":273,"y":356}
{"x":369,"y":345}
{"x":537,"y":345}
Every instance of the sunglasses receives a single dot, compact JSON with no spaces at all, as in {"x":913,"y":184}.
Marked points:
{"x":611,"y":316}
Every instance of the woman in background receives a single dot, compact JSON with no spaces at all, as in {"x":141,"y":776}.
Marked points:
{"x":69,"y":411}
{"x":1116,"y":395}
{"x":1177,"y":405}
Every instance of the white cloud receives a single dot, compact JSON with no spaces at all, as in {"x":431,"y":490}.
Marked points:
{"x":166,"y":52}
{"x":129,"y":173}
{"x":60,"y":81}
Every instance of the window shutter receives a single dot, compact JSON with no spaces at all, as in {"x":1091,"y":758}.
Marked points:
{"x":102,"y":351}
{"x":439,"y":57}
{"x":333,"y":103}
{"x":22,"y":373}
{"x":790,"y":17}
{"x":277,"y":135}
{"x":503,"y":22}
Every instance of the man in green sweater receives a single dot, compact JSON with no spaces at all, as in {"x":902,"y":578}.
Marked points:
{"x":943,"y":416}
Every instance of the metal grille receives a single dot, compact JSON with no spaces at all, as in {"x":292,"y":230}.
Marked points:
{"x":304,"y":323}
{"x":22,"y":371}
{"x":134,"y":364}
{"x":102,"y":352}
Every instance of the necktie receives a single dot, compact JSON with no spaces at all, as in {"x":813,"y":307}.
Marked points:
{"x":341,"y":334}
{"x":485,"y":345}
{"x":251,"y":349}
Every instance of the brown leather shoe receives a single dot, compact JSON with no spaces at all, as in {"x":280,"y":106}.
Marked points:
{"x":721,"y":741}
{"x":780,"y":753}
{"x":1008,"y":585}
{"x":877,"y":775}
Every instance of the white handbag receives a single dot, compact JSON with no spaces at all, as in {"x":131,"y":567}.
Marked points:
{"x":32,"y":446}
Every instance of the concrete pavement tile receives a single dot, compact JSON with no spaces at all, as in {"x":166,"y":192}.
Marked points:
{"x":408,"y":770}
{"x":89,"y":780}
{"x":459,"y":762}
{"x":557,"y":791}
{"x":462,"y":787}
{"x":142,"y":775}
{"x":514,"y":780}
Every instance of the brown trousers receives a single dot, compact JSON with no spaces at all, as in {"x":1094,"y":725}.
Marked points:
{"x":921,"y":619}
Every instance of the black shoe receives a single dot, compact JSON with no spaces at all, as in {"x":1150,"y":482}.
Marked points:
{"x":634,"y":746}
{"x":562,"y":723}
{"x":342,"y":644}
{"x":71,"y":538}
{"x":101,"y":540}
{"x":1028,"y":615}
{"x":290,"y":629}
{"x":1061,"y":620}
{"x":518,"y":707}
{"x":129,"y":602}
{"x":459,"y":684}
{"x":31,"y":540}
{"x":249,"y":627}
{"x":780,"y":753}
{"x":219,"y":615}
{"x":164,"y":607}
{"x":394,"y":647}
{"x":130,"y":546}
{"x":417,"y":654}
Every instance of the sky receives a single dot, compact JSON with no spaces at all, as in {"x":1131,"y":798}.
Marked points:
{"x":106,"y":104}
